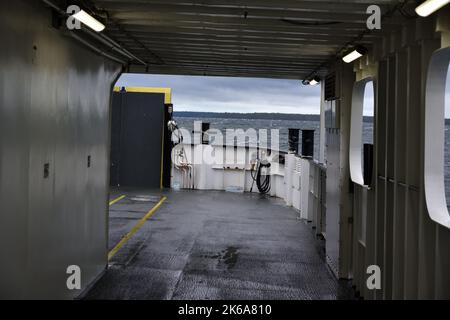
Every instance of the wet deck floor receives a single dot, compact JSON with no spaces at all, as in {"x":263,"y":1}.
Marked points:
{"x":214,"y":245}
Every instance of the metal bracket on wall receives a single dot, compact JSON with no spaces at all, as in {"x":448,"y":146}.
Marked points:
{"x":46,"y":170}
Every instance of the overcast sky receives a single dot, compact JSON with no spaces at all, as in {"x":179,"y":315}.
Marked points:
{"x":222,"y":94}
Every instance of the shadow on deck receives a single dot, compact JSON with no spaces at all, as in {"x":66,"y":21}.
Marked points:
{"x":214,"y":245}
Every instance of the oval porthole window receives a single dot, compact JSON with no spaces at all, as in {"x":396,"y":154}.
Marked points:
{"x":361,"y":132}
{"x":436,"y":161}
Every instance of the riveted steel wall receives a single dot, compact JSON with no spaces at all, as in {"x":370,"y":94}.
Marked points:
{"x":54,"y":115}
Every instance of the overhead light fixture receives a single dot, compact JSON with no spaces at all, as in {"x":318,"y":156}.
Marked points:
{"x":89,"y":20}
{"x":314,"y":81}
{"x":354,"y":54}
{"x":311,"y":81}
{"x":430,"y":6}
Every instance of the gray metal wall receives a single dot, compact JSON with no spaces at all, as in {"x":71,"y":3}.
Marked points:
{"x":54,"y":109}
{"x":338,"y":197}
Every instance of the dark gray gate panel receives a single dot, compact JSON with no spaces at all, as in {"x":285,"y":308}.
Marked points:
{"x":116,"y":128}
{"x":140,"y":129}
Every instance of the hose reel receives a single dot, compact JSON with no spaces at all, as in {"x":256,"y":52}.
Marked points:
{"x":261,"y":176}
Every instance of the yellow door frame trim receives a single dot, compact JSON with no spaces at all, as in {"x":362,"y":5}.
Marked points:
{"x":166,"y":91}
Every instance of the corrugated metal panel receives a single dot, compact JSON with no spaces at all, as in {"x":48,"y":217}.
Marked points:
{"x":275,"y":39}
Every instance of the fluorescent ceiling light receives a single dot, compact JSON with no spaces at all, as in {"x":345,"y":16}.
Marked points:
{"x":352,"y":56}
{"x":356,"y":53}
{"x":89,"y":20}
{"x":430,"y":6}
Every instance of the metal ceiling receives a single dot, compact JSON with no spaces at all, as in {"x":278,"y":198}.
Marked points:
{"x":256,"y":38}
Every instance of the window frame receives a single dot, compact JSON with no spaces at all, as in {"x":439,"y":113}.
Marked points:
{"x":434,"y":157}
{"x":356,"y":129}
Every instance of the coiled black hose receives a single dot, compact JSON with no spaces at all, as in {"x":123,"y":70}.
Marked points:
{"x":263,"y":183}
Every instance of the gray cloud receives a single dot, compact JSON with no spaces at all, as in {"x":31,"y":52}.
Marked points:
{"x":222,"y":94}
